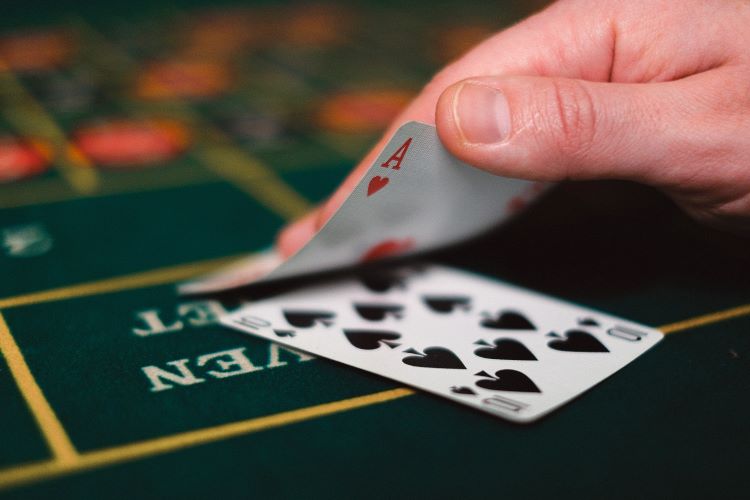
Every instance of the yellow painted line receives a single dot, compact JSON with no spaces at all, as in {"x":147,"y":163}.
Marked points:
{"x":138,"y":280}
{"x":254,"y":178}
{"x":118,"y":454}
{"x":51,"y":428}
{"x":30,"y":117}
{"x":706,"y":319}
{"x":49,"y":191}
{"x":109,"y":456}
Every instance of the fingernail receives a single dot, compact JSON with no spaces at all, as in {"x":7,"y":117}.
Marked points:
{"x":481,"y":114}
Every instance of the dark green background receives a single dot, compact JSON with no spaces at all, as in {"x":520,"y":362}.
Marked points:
{"x":671,"y":424}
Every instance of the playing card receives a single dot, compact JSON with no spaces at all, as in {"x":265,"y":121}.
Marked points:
{"x":499,"y":348}
{"x":414,"y":197}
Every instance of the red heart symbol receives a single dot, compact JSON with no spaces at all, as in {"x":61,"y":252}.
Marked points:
{"x":376,"y":184}
{"x":388,"y":248}
{"x":517,"y":204}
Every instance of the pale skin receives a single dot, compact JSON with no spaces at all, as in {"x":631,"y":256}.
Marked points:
{"x":652,"y":91}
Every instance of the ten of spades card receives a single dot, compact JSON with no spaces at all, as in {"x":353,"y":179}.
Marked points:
{"x":502,"y":349}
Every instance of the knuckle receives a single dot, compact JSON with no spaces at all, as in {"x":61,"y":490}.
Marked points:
{"x":572,"y":117}
{"x":734,"y":217}
{"x":730,"y":97}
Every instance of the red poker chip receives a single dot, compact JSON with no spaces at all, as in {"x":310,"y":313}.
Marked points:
{"x":35,"y":51}
{"x":21,"y":159}
{"x":222,"y":32}
{"x":178,"y":79}
{"x":362,"y":111}
{"x":316,"y":25}
{"x":454,"y":41}
{"x":132,"y":143}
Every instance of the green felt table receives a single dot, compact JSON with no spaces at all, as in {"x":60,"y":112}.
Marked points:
{"x":89,"y":312}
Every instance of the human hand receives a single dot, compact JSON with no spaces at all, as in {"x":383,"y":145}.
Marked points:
{"x":651,"y":91}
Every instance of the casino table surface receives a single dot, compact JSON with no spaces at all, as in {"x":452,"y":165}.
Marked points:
{"x":142,"y":144}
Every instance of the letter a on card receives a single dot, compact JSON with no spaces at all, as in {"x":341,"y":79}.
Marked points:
{"x":394,"y":162}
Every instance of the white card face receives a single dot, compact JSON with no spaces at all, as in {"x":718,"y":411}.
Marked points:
{"x":415,"y":197}
{"x":499,"y":348}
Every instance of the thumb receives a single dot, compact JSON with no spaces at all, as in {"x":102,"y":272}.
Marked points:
{"x":554,"y":129}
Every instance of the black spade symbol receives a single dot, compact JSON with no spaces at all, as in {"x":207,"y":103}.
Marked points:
{"x":508,"y":320}
{"x":588,"y":322}
{"x":578,"y":341}
{"x":468,"y":391}
{"x":506,"y":349}
{"x":307,"y":319}
{"x":382,"y":282}
{"x":447,"y":304}
{"x":435,"y":357}
{"x":378,"y":312}
{"x":508,"y":380}
{"x":284,"y":333}
{"x":371,"y":339}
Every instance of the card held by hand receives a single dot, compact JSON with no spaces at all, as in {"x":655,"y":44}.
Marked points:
{"x":414,"y":197}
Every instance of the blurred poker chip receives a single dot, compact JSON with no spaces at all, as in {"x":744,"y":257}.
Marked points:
{"x":361,"y":111}
{"x":183,"y":79}
{"x":454,"y":41}
{"x":316,"y":25}
{"x":36,"y":51}
{"x":229,"y":31}
{"x":20,"y":159}
{"x":223,"y":32}
{"x":128,"y":143}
